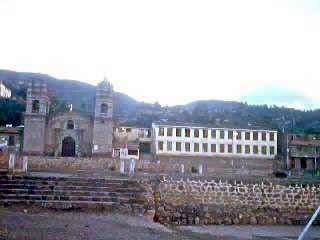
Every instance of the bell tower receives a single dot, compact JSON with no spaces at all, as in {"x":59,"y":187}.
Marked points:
{"x":35,"y":118}
{"x":103,"y":119}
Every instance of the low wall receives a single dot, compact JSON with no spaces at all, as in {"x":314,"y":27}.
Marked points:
{"x":210,"y":166}
{"x":217,"y":202}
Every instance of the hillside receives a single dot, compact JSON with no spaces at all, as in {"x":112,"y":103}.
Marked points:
{"x":128,"y":111}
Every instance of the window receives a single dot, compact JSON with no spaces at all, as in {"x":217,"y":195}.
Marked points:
{"x":35,"y":106}
{"x":247,"y":136}
{"x":178,"y":146}
{"x":238,"y":135}
{"x":272,"y":150}
{"x":104,"y":108}
{"x":178,"y":132}
{"x":11,"y":141}
{"x":221,"y":134}
{"x":229,"y":148}
{"x":271,"y":136}
{"x":187,"y":132}
{"x":303,"y":162}
{"x":205,"y":133}
{"x":213,"y":148}
{"x":128,"y":130}
{"x":148,"y":133}
{"x":187,"y":147}
{"x":264,"y":136}
{"x":222,"y":148}
{"x":169,"y":146}
{"x":255,"y":149}
{"x":196,"y":133}
{"x":213,"y":134}
{"x":239,"y":148}
{"x":204,"y":147}
{"x":161,"y":132}
{"x":160,"y":145}
{"x":264,"y":150}
{"x":230,"y":134}
{"x":169,"y":132}
{"x":247,"y":149}
{"x":255,"y":136}
{"x":133,"y":152}
{"x":196,"y":147}
{"x":70,"y":124}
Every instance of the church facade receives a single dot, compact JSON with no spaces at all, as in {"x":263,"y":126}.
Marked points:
{"x":70,"y":133}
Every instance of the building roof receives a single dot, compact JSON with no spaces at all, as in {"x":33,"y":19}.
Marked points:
{"x":201,"y":125}
{"x":6,"y":130}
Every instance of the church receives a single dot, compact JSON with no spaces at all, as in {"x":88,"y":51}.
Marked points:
{"x":69,"y":133}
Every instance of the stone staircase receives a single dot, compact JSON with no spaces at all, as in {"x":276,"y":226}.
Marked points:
{"x":73,"y":193}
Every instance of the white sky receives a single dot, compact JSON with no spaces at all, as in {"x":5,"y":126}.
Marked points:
{"x":171,"y":51}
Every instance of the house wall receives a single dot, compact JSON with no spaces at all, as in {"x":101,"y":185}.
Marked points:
{"x":4,"y":91}
{"x":210,"y":141}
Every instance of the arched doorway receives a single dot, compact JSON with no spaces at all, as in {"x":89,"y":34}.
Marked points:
{"x":68,"y":147}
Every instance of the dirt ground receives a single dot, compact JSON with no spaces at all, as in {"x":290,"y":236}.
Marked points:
{"x":37,"y":223}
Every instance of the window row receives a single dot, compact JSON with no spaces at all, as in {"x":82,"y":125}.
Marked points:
{"x":221,"y":135}
{"x":222,"y":148}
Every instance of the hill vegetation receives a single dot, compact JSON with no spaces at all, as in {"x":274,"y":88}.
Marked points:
{"x":128,"y":111}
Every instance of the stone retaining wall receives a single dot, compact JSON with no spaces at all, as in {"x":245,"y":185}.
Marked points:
{"x":216,"y":202}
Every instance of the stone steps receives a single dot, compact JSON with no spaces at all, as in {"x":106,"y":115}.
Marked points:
{"x":66,"y":188}
{"x":67,"y":198}
{"x":63,"y":204}
{"x":71,"y":192}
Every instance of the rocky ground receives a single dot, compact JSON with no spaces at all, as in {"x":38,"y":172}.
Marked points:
{"x":37,"y":223}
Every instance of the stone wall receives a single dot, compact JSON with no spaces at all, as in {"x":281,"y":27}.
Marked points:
{"x":217,"y":202}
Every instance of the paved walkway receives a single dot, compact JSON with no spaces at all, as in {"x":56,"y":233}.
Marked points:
{"x":247,"y":231}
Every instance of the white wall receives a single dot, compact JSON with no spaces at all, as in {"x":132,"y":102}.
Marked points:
{"x":218,"y":141}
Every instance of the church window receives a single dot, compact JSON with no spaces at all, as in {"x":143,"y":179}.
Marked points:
{"x":35,"y":106}
{"x":104,"y":108}
{"x":70,"y":124}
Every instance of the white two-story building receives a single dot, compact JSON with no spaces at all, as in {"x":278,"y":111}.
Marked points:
{"x":179,"y":139}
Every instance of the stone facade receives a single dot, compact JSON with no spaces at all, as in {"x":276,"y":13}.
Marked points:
{"x":103,"y":123}
{"x":69,"y":133}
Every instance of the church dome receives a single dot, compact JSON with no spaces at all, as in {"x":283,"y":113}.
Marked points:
{"x":105,"y":85}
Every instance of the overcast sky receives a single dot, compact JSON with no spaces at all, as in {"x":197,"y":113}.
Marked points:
{"x":174,"y":51}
